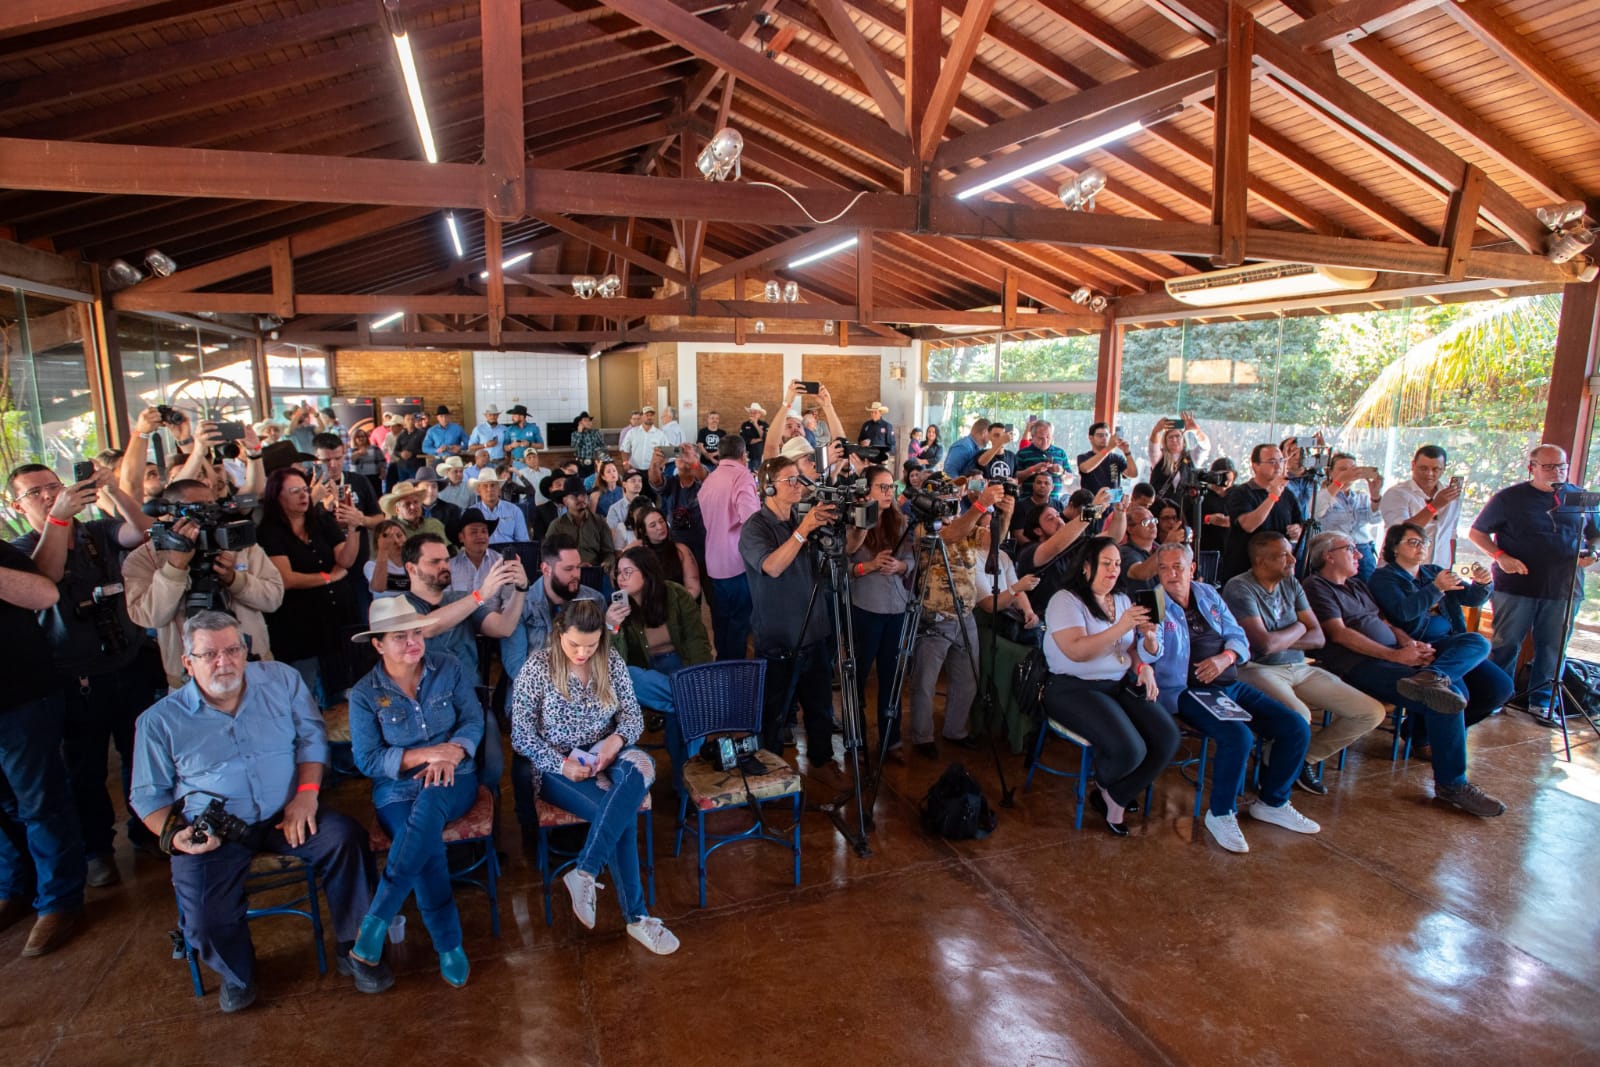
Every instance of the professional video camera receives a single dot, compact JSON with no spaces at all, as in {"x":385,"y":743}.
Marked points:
{"x":868,"y":453}
{"x":937,"y":501}
{"x":727,"y":753}
{"x":855,"y":511}
{"x":1192,"y":478}
{"x":1314,"y":457}
{"x":224,"y":527}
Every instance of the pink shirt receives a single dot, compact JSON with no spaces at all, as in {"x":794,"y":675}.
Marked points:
{"x":727,"y":498}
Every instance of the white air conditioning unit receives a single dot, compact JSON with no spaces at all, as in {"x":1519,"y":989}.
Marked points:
{"x":1266,"y":281}
{"x":989,"y":309}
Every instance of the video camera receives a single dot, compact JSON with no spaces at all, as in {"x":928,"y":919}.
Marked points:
{"x":1314,"y":457}
{"x":224,"y":527}
{"x":855,"y":511}
{"x":977,"y":484}
{"x":938,"y":500}
{"x":1193,"y":480}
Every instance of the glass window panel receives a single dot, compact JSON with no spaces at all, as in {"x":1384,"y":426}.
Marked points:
{"x":973,"y":363}
{"x":65,"y":411}
{"x":1051,"y":359}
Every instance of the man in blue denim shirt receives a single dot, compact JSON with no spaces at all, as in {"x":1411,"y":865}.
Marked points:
{"x":249,"y":735}
{"x":1201,"y":645}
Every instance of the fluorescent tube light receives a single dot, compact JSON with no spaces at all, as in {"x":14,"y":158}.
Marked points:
{"x":512,"y":262}
{"x":388,"y":320}
{"x":812,"y":257}
{"x":419,"y":108}
{"x":455,"y":234}
{"x":1049,"y":161}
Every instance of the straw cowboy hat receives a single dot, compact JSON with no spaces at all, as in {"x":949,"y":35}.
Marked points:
{"x":404,"y":491}
{"x":756,"y":407}
{"x":796,"y":448}
{"x":454,"y":463}
{"x":489,"y":476}
{"x":876,"y":406}
{"x":390,"y":613}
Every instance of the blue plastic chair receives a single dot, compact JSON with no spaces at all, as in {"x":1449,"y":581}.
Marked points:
{"x":268,"y":872}
{"x":719,"y":698}
{"x":1050,"y":728}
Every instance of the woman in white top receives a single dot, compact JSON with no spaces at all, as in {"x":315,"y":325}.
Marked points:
{"x":1099,"y":648}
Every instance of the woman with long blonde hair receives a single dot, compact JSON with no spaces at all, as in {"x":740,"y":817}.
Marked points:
{"x":575,"y":716}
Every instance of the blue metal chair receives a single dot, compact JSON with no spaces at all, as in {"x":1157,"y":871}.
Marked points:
{"x":1049,"y":727}
{"x":476,"y":827}
{"x":552,"y":818}
{"x":268,"y":872}
{"x":718,"y":698}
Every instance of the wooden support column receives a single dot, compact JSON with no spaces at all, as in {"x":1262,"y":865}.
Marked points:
{"x":924,"y":50}
{"x":864,"y":276}
{"x":844,"y":334}
{"x":497,"y":280}
{"x":1570,"y":409}
{"x":1008,"y":300}
{"x":739,"y":321}
{"x":1461,"y":222}
{"x":504,"y":152}
{"x":282,"y":260}
{"x":1230,"y":185}
{"x":1108,"y":372}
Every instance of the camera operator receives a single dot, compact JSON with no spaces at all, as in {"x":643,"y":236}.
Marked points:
{"x":1214,"y":521}
{"x":1302,"y":480}
{"x":160,"y":580}
{"x":92,"y":640}
{"x":247,"y":736}
{"x":1342,"y":510}
{"x":1262,"y":503}
{"x":41,"y":826}
{"x":782,"y":566}
{"x":880,"y":595}
{"x":950,"y":631}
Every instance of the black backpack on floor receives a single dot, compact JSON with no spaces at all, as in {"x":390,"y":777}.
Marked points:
{"x":955,"y":807}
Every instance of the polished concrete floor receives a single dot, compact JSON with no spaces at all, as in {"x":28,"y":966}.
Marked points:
{"x":1403,"y":932}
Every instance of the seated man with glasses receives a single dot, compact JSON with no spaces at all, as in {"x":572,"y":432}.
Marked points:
{"x":1379,"y":658}
{"x":247,"y":736}
{"x":1533,"y":549}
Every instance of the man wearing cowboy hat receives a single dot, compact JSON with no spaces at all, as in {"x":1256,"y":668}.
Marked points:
{"x":877,"y":431}
{"x":754,"y":432}
{"x":250,"y":734}
{"x":520,"y":431}
{"x":587,"y":444}
{"x":644,"y":439}
{"x":510,"y":523}
{"x":455,"y":490}
{"x":446,"y":438}
{"x":432,"y":506}
{"x":405,"y":506}
{"x":489,"y":434}
{"x":586,"y":530}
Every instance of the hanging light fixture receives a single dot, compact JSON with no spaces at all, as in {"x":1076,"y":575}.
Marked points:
{"x":159,"y":263}
{"x":388,"y":320}
{"x":773,"y":292}
{"x":1098,"y":303}
{"x":1081,"y":295}
{"x":608,"y":286}
{"x":1567,"y":242}
{"x":720,"y":157}
{"x":827,"y":327}
{"x":1554,"y":218}
{"x":1079,"y":193}
{"x":583,"y":286}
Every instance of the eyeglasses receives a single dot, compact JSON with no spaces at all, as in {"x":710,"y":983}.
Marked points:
{"x":1415,"y":542}
{"x":792,"y":480}
{"x":626,"y":572}
{"x":41,"y":490}
{"x":1552,"y":466}
{"x":1148,"y":522}
{"x":220,"y":654}
{"x":1343,"y":548}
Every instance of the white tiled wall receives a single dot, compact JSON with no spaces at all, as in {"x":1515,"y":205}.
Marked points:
{"x":553,"y":387}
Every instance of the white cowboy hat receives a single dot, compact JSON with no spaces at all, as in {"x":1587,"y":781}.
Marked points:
{"x":877,"y":405}
{"x":756,"y":407}
{"x":389,"y":502}
{"x":454,"y":463}
{"x":488,"y":476}
{"x":491,"y":410}
{"x":390,"y":613}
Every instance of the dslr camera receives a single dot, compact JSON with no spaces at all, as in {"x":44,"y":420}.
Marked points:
{"x":1193,"y":479}
{"x":216,"y":821}
{"x":939,"y":500}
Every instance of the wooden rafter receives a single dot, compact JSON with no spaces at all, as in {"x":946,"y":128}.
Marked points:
{"x":957,"y":62}
{"x":1230,"y":185}
{"x":617,"y":248}
{"x":1501,"y":38}
{"x":868,"y":64}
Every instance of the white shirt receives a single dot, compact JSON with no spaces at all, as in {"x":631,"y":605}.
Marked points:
{"x":1065,"y":612}
{"x":674,"y":433}
{"x":1405,"y":499}
{"x":1008,"y":575}
{"x":530,"y":477}
{"x":642,"y":445}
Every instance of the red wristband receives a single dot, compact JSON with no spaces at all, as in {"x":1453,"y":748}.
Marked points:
{"x":309,"y":787}
{"x":981,"y":509}
{"x":53,"y":521}
{"x":1429,"y":508}
{"x":327,"y":579}
{"x":477,"y":596}
{"x":861,"y":570}
{"x":1497,"y":553}
{"x":1274,"y":497}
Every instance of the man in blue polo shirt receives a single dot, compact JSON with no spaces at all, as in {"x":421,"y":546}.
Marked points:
{"x":518,"y":431}
{"x":1533,"y":547}
{"x":446,"y":438}
{"x":963,"y":455}
{"x":249,"y":736}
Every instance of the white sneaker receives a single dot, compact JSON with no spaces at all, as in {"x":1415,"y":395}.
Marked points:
{"x":649,"y":932}
{"x":581,"y":885}
{"x":1285,"y":817}
{"x":1225,"y":831}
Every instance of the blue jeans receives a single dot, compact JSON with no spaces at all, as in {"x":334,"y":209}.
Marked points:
{"x":1369,"y":561}
{"x":613,"y":816}
{"x":730,"y":615}
{"x":211,"y":900}
{"x":878,"y":644}
{"x":37,"y":810}
{"x":1455,"y":657}
{"x":417,"y":861}
{"x":653,"y":688}
{"x":1289,"y":734}
{"x":1515,"y":617}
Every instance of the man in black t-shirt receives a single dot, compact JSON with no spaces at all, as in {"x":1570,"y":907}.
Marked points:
{"x":754,"y":431}
{"x":1108,"y":460}
{"x":30,"y":766}
{"x":114,"y":668}
{"x":781,"y":567}
{"x":1258,"y":504}
{"x":709,"y":438}
{"x":997,"y":461}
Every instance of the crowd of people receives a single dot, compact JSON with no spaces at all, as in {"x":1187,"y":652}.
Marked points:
{"x":457,"y":595}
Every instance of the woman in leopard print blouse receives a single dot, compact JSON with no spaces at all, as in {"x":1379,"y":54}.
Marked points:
{"x":575,"y":716}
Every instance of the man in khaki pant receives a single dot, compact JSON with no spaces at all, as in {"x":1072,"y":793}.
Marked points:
{"x":1272,"y":608}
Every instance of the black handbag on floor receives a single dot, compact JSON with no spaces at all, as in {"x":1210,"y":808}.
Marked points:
{"x":955,"y":808}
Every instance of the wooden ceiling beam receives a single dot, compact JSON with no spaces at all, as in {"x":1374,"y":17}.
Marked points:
{"x":606,"y":144}
{"x":1353,"y":20}
{"x":27,"y":16}
{"x":1461,"y":222}
{"x":617,"y":248}
{"x":1230,"y":170}
{"x":813,"y":104}
{"x":867,"y":63}
{"x":952,"y":74}
{"x":504,"y":150}
{"x":1506,"y":42}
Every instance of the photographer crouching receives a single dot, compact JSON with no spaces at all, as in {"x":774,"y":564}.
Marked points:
{"x":94,"y":645}
{"x":231,"y":765}
{"x":202,"y":556}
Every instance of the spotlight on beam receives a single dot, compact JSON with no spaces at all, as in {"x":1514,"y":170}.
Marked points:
{"x":159,"y":263}
{"x":1079,"y":193}
{"x":773,"y":292}
{"x":123,"y":274}
{"x":608,"y":286}
{"x":583,"y":286}
{"x":720,"y":157}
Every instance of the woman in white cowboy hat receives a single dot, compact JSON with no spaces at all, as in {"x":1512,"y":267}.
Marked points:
{"x":404,"y":505}
{"x":415,"y":728}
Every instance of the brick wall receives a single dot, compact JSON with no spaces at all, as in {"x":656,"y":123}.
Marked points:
{"x":434,"y":376}
{"x":853,"y":383}
{"x":729,"y":381}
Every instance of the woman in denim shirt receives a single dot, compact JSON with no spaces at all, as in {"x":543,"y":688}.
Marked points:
{"x":415,"y":726}
{"x":575,"y":716}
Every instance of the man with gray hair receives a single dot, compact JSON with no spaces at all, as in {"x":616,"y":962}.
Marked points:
{"x":245,"y":737}
{"x":1384,"y":661}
